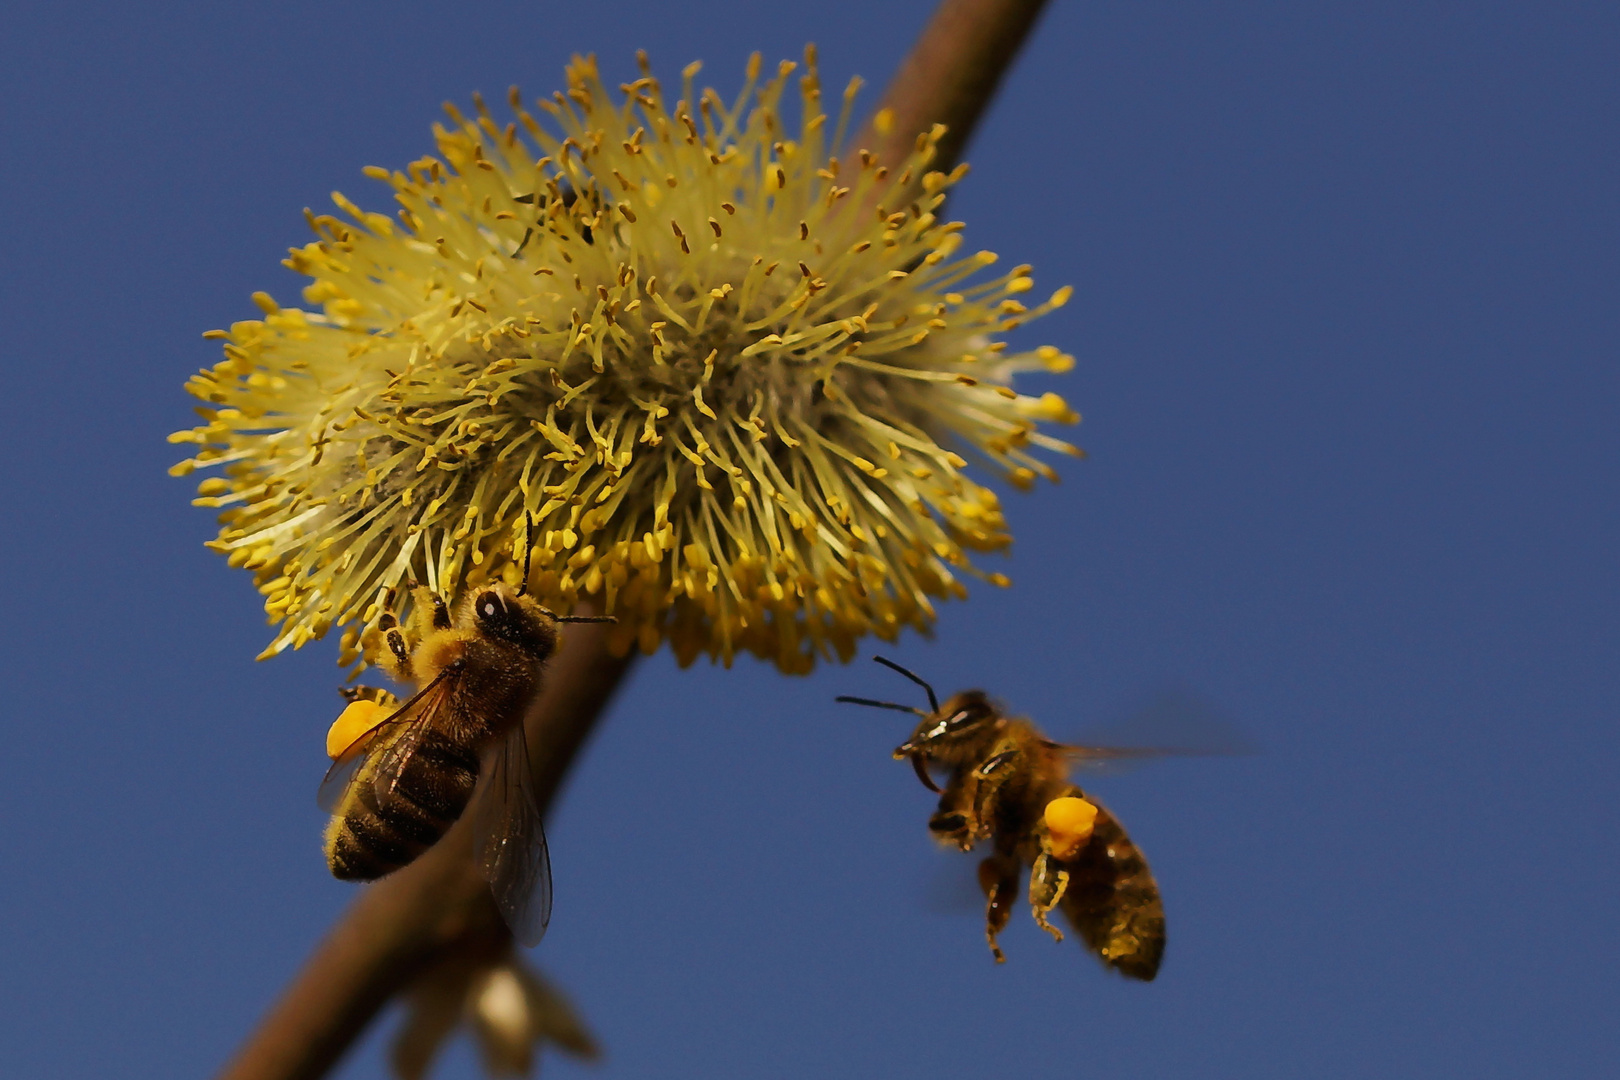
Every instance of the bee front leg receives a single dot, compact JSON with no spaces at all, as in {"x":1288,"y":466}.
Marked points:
{"x":953,"y":822}
{"x":401,"y":667}
{"x":998,"y":877}
{"x":398,"y":659}
{"x":429,"y":612}
{"x":986,"y":782}
{"x":1048,"y":881}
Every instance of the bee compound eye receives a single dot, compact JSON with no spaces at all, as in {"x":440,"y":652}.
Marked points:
{"x":490,"y":605}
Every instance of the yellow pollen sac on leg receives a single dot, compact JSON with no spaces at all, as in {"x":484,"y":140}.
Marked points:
{"x":352,"y":726}
{"x":1069,"y":822}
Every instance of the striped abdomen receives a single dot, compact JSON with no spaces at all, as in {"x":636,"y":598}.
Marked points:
{"x":1113,"y":901}
{"x":374,"y":833}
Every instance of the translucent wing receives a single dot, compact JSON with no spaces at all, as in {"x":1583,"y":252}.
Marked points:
{"x":1104,"y":754}
{"x":512,"y":842}
{"x":401,"y":735}
{"x":1173,"y":723}
{"x":395,"y":738}
{"x":336,"y":782}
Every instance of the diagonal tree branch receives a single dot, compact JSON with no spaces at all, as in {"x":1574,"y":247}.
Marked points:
{"x":949,"y":77}
{"x":402,"y":924}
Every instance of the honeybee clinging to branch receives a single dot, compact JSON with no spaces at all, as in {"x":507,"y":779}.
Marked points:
{"x":402,"y":774}
{"x":1009,"y":784}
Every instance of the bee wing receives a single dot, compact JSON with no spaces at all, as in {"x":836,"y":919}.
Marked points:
{"x":1115,"y":759}
{"x":396,"y":737}
{"x":400,"y":736}
{"x":1174,"y":722}
{"x":512,"y":841}
{"x":336,"y":782}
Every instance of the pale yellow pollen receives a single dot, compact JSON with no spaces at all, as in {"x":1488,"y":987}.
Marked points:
{"x":548,"y":331}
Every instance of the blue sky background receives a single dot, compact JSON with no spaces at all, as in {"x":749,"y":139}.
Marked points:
{"x":1346,"y":319}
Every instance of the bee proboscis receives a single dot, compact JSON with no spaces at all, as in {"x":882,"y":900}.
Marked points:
{"x":403,"y":773}
{"x":1008,"y":784}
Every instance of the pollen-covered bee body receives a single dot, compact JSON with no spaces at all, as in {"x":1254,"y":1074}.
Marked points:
{"x":1112,"y":900}
{"x":372,"y":834}
{"x":404,"y":773}
{"x":493,"y":650}
{"x":1006,"y":783}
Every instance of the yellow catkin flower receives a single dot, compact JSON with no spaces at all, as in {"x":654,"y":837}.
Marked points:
{"x":728,"y":380}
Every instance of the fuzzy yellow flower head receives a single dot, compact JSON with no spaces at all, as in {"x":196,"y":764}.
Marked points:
{"x":732,"y":379}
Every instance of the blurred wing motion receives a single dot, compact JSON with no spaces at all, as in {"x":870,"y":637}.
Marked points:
{"x":396,"y":739}
{"x":512,"y":842}
{"x":1172,"y":723}
{"x":1113,"y":902}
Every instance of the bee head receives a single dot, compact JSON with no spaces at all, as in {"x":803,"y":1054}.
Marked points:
{"x":948,"y":735}
{"x":517,"y":620}
{"x":958,"y":725}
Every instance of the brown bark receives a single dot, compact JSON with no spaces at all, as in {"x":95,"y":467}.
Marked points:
{"x":950,"y":76}
{"x":401,"y":924}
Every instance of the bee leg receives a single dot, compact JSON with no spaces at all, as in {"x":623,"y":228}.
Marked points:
{"x":954,"y":823}
{"x":998,"y":877}
{"x":1047,"y":883}
{"x":429,"y":612}
{"x":401,"y":667}
{"x":986,"y":782}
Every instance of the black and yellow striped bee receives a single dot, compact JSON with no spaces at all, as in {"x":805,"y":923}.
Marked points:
{"x":1008,"y":784}
{"x":403,"y":773}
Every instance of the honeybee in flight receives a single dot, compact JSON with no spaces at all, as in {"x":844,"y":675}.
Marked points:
{"x":1008,"y":784}
{"x":403,"y":773}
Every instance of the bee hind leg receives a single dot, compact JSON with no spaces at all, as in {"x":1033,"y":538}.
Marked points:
{"x":998,"y":877}
{"x":1047,"y":883}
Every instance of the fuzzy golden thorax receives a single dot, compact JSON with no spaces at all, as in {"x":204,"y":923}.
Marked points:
{"x":494,"y":645}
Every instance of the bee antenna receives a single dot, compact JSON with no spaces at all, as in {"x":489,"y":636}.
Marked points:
{"x":848,"y":700}
{"x":528,"y":550}
{"x":581,"y":618}
{"x":914,"y":677}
